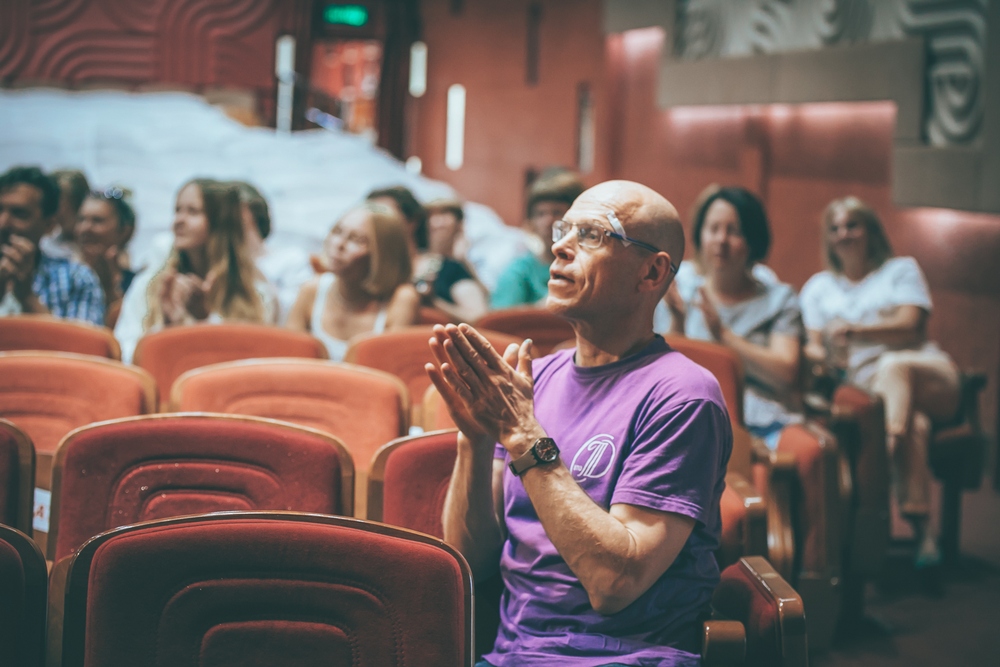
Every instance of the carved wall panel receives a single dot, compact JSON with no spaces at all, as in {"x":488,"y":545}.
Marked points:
{"x":188,"y":42}
{"x":954,"y":31}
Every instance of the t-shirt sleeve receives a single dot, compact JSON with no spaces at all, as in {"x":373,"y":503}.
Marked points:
{"x":908,"y":284}
{"x":677,"y":459}
{"x":788,"y":320}
{"x":813,"y":316}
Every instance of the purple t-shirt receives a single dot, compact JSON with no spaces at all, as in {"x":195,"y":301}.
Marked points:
{"x":650,"y":430}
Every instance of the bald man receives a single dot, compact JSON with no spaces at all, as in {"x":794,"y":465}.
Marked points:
{"x":606,"y":463}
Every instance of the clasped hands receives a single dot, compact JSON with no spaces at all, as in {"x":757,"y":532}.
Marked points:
{"x":184,"y":297}
{"x":490,"y":397}
{"x":703,"y":301}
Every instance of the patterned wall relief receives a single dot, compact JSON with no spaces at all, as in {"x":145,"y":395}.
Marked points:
{"x":188,"y":42}
{"x":954,"y":31}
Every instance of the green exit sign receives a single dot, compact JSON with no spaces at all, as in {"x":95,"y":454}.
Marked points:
{"x":353,"y":15}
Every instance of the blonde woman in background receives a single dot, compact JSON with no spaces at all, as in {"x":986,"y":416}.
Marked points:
{"x":366,"y":288}
{"x":208,"y":276}
{"x":867,"y":315}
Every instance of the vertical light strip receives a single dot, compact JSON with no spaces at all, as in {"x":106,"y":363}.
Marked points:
{"x":418,"y":69}
{"x":284,"y":69}
{"x":585,"y":129}
{"x":454,"y":147}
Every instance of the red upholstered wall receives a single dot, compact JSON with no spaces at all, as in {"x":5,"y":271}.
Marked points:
{"x":797,"y":158}
{"x":191,"y":43}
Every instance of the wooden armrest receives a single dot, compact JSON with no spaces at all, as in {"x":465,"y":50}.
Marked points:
{"x":723,"y":643}
{"x":781,"y":462}
{"x":755,"y":531}
{"x":57,"y":603}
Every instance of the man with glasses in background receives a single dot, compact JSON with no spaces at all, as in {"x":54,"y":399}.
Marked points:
{"x":593,"y":476}
{"x":30,"y":280}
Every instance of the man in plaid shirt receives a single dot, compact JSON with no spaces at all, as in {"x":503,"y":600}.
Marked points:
{"x":30,"y":281}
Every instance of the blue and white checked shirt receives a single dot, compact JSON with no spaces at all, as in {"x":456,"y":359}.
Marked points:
{"x":69,"y":289}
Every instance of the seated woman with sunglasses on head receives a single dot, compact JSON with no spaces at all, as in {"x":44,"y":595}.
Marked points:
{"x":208,"y":277}
{"x":103,"y":229}
{"x":728,"y":304}
{"x":367,"y":287}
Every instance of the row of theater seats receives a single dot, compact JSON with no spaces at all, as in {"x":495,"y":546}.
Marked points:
{"x":134,"y":584}
{"x":817,"y":507}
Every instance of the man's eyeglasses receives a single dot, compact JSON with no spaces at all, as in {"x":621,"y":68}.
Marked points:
{"x":592,"y":236}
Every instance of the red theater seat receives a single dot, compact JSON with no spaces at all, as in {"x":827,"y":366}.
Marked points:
{"x":408,"y":481}
{"x":363,"y":407}
{"x":17,"y":477}
{"x":170,"y":352}
{"x":404,"y":352}
{"x":120,"y":472}
{"x":23,"y":582}
{"x":545,"y":329}
{"x":262,"y":588}
{"x":44,"y":332}
{"x":432,"y":316}
{"x":48,"y":394}
{"x":752,"y":593}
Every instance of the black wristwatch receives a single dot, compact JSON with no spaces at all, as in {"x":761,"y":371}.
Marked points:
{"x":543,"y":451}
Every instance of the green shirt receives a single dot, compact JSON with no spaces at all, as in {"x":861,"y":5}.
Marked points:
{"x":524,"y":282}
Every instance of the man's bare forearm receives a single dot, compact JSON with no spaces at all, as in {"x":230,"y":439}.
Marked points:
{"x":469,"y":517}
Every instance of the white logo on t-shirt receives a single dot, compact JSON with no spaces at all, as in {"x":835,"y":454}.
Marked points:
{"x":593,"y":460}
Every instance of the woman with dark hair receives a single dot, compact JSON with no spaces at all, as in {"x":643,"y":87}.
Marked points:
{"x":867,"y":316}
{"x":442,"y":280}
{"x":103,"y":228}
{"x":367,"y":286}
{"x":73,"y":189}
{"x":727,"y":304}
{"x":208,"y":276}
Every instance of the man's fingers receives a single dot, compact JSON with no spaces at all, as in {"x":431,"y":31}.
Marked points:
{"x":449,"y":385}
{"x":510,"y":354}
{"x":461,"y":365}
{"x":482,"y":347}
{"x":524,"y":356}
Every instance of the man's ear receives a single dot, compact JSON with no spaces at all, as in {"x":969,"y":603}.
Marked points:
{"x":656,"y":273}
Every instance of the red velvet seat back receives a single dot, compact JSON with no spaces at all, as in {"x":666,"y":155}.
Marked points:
{"x":48,"y":394}
{"x":771,"y":612}
{"x":404,"y":352}
{"x":733,"y":521}
{"x":23,"y":582}
{"x":17,"y":477}
{"x":363,"y":407}
{"x":545,"y":329}
{"x":410,"y":477}
{"x":257,"y":591}
{"x":43,"y":332}
{"x":168,"y":353}
{"x":118,"y":473}
{"x":721,"y":362}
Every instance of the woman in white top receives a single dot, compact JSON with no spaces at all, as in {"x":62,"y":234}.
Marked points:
{"x":728,"y":304}
{"x":367,"y":288}
{"x":867,"y":315}
{"x":208,"y":276}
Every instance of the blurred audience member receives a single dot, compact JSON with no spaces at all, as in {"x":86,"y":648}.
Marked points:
{"x":727,"y":304}
{"x":73,"y":189}
{"x":367,"y":288}
{"x":104,"y":227}
{"x":867,"y":315}
{"x":285,"y":267}
{"x":442,"y":281}
{"x":209,"y":276}
{"x":526,"y":280}
{"x":32,"y":281}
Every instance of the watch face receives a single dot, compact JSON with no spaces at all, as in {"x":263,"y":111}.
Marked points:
{"x":546,"y":450}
